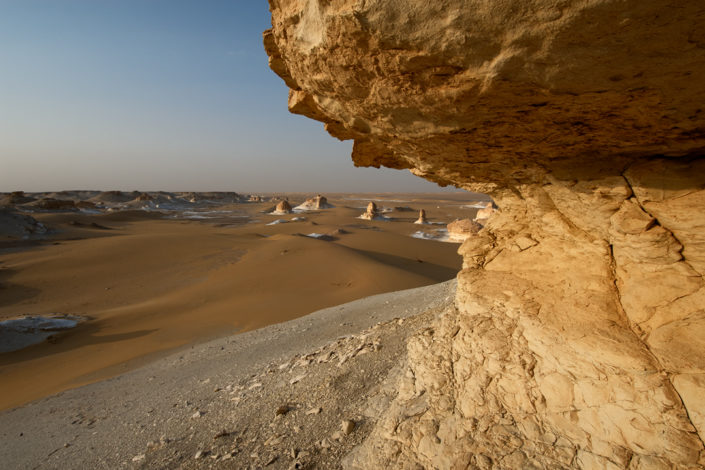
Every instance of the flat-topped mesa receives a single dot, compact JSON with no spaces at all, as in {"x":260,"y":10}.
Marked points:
{"x":422,"y":217}
{"x":579,"y":336}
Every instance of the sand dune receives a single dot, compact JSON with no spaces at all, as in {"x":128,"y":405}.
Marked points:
{"x":148,"y":284}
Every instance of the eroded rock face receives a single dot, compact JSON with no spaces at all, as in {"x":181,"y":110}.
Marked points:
{"x":579,"y":335}
{"x":422,"y":217}
{"x":461,"y":230}
{"x":483,"y":215}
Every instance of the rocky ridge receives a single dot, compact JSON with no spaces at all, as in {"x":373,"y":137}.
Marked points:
{"x":579,"y":334}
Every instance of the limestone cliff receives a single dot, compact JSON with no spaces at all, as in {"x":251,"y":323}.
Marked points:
{"x":578,"y":338}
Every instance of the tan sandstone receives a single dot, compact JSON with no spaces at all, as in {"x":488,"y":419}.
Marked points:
{"x":578,"y":339}
{"x":483,"y":215}
{"x":462,"y":229}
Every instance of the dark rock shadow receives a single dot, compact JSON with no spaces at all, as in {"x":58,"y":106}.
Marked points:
{"x":415,"y":265}
{"x":11,"y":293}
{"x":85,"y":334}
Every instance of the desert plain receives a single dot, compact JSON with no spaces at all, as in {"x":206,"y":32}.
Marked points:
{"x":147,"y":274}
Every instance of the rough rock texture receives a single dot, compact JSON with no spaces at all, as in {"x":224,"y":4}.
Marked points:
{"x":483,"y":215}
{"x":283,"y":207}
{"x":579,"y":336}
{"x":371,"y":212}
{"x":462,"y":229}
{"x":315,"y":203}
{"x":15,"y":226}
{"x":422,"y":217}
{"x":321,"y":202}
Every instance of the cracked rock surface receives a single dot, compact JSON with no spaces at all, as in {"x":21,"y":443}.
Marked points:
{"x":578,"y":338}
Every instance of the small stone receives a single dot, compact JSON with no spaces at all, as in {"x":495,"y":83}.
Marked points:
{"x":197,"y":414}
{"x":198,"y":455}
{"x":138,"y":458}
{"x":271,"y":461}
{"x":282,"y":410}
{"x":222,"y":433}
{"x":314,"y":411}
{"x":348,"y":426}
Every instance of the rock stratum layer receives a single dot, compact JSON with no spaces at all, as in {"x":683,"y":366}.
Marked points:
{"x":579,"y":333}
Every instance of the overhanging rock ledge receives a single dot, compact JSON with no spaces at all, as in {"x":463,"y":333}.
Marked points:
{"x":578,"y":338}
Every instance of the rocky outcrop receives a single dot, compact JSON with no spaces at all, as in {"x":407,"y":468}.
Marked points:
{"x":422,"y":217}
{"x":462,"y":229}
{"x":371,"y":212}
{"x":483,"y":215}
{"x":578,"y":339}
{"x":15,"y":198}
{"x":313,"y":204}
{"x":14,"y":226}
{"x":283,"y":207}
{"x":51,"y":204}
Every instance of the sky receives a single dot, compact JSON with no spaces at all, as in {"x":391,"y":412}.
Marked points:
{"x":159,"y":95}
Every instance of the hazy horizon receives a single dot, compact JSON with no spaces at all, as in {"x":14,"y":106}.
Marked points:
{"x":160,"y":94}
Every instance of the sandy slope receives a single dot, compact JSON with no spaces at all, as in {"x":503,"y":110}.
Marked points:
{"x":149,"y":285}
{"x":221,"y":398}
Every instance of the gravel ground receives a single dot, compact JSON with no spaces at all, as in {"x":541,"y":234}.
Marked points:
{"x":299,"y":394}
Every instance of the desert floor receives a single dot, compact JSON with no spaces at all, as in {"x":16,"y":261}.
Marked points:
{"x":149,"y":283}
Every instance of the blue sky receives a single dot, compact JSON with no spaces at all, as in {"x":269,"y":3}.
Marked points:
{"x":158,"y":95}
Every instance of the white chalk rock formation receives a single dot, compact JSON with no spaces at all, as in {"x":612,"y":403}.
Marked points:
{"x":371,"y":213}
{"x":422,"y":217}
{"x":283,"y":207}
{"x":315,"y":203}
